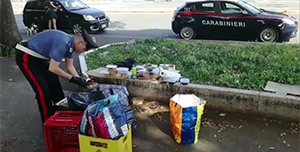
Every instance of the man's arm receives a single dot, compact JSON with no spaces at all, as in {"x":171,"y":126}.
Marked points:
{"x":54,"y":68}
{"x":70,"y":67}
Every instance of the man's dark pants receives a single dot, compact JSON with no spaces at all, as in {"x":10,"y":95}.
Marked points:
{"x":45,"y":84}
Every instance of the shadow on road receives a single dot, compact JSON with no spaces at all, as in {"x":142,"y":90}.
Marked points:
{"x":117,"y":25}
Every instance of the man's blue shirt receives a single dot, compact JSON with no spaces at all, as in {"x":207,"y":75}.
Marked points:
{"x":53,"y":44}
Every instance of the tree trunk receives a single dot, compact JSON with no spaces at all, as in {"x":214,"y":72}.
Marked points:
{"x":9,"y":32}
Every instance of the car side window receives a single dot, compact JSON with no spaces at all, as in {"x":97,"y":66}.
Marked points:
{"x":232,"y":9}
{"x":207,"y":7}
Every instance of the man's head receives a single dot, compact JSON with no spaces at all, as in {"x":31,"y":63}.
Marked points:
{"x":84,"y":42}
{"x":79,"y":44}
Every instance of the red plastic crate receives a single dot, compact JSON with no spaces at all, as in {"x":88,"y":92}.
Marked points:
{"x":61,"y":131}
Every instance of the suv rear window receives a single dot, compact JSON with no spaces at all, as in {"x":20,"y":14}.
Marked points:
{"x":38,"y":5}
{"x":29,"y":5}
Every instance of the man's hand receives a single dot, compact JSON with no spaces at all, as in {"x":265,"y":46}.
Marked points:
{"x":79,"y":81}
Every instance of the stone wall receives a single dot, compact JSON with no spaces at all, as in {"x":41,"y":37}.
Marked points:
{"x":227,"y":99}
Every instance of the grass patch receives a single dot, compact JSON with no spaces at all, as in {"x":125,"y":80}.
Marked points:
{"x":236,"y":65}
{"x":7,"y":51}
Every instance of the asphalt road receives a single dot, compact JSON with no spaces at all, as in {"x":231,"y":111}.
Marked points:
{"x":132,"y":26}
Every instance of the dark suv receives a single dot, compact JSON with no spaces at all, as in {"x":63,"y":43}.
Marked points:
{"x":73,"y":15}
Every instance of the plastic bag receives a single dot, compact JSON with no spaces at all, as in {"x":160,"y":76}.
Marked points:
{"x":185,"y":116}
{"x":104,"y":119}
{"x":80,"y":101}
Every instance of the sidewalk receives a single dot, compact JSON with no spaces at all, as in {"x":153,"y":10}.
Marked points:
{"x":21,"y":127}
{"x":167,"y":7}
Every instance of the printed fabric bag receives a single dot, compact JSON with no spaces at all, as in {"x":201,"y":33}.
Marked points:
{"x":109,"y":89}
{"x":104,"y":119}
{"x":185,"y":116}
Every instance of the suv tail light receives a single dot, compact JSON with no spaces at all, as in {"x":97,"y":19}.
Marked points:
{"x":175,"y":15}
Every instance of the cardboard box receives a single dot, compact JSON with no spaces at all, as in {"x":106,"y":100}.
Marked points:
{"x":91,"y":144}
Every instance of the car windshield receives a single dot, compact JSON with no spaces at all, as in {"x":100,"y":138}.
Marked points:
{"x":72,"y":5}
{"x":249,"y":7}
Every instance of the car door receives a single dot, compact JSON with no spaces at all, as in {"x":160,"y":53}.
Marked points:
{"x":236,"y":20}
{"x":39,"y":15}
{"x":204,"y":15}
{"x":62,"y":21}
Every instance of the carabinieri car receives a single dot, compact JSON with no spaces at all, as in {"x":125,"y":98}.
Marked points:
{"x":232,"y":19}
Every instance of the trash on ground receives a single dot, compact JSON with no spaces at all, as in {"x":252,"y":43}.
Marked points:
{"x":148,"y":107}
{"x":271,"y":147}
{"x":222,"y":114}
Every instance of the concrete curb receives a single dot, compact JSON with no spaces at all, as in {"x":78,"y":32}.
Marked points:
{"x":228,"y":99}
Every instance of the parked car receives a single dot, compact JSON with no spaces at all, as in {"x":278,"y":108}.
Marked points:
{"x":73,"y":15}
{"x":234,"y":19}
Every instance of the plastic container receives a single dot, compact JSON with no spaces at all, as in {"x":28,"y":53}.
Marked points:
{"x":129,"y":75}
{"x":171,"y":67}
{"x":184,"y":81}
{"x":140,"y":67}
{"x":104,"y":72}
{"x":123,"y":71}
{"x":172,"y":81}
{"x":112,"y":69}
{"x":67,"y":124}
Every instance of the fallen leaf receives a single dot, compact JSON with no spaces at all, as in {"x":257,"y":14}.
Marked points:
{"x":271,"y":147}
{"x":283,"y":134}
{"x":222,"y":114}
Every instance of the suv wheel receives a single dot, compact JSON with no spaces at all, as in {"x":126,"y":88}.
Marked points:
{"x":268,"y":34}
{"x":187,"y":33}
{"x":76,"y":28}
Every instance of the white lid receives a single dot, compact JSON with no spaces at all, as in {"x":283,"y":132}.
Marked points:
{"x":122,"y":69}
{"x":140,"y":66}
{"x":111,"y":66}
{"x":104,"y":72}
{"x":184,"y":80}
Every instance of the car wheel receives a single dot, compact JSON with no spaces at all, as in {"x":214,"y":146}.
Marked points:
{"x":76,"y":28}
{"x":268,"y":34}
{"x":187,"y":33}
